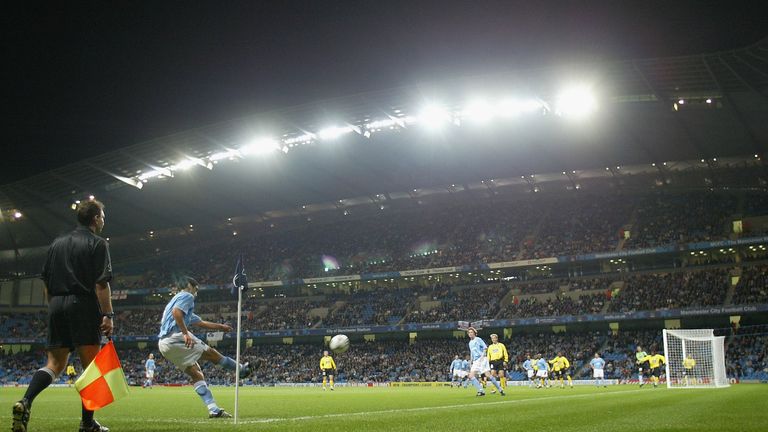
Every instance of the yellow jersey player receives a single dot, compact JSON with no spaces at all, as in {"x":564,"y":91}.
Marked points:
{"x":498,"y":358}
{"x":688,"y":369}
{"x":561,"y":367}
{"x":655,"y":361}
{"x":71,"y":374}
{"x":328,"y":367}
{"x":640,"y":356}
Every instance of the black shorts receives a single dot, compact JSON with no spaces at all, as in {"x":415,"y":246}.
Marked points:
{"x":497,"y":365}
{"x":327,"y":372}
{"x":557,"y":374}
{"x":656,"y":372}
{"x":73,"y":321}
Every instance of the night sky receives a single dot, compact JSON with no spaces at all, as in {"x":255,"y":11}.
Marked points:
{"x":86,"y":78}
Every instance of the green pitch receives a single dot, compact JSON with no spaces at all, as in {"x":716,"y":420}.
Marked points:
{"x":616,"y":409}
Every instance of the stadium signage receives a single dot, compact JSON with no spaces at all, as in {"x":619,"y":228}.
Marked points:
{"x":523,"y":263}
{"x":331,"y":279}
{"x":439,"y":270}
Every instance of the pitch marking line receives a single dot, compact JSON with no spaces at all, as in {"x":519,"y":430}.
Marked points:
{"x":402,"y":410}
{"x":389,"y":411}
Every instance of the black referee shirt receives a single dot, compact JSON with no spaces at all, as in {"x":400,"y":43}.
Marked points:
{"x":76,"y":262}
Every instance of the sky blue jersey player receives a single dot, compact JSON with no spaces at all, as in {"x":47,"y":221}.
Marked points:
{"x":465,"y":369}
{"x":598,"y":365}
{"x":455,"y":370}
{"x":542,"y":368}
{"x":528,"y":367}
{"x":149,"y":371}
{"x":478,"y":351}
{"x":184,"y":349}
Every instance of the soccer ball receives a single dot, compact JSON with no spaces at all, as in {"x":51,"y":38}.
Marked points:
{"x":339,"y":343}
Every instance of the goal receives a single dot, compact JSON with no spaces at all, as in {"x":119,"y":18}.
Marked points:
{"x":695,"y":359}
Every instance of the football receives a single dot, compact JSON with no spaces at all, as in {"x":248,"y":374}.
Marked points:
{"x":339,"y":343}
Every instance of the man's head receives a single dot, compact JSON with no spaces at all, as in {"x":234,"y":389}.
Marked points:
{"x":639,"y":348}
{"x":560,"y":353}
{"x":538,"y":355}
{"x":457,"y":357}
{"x":90,"y":214}
{"x":189,"y":284}
{"x":528,"y":356}
{"x":597,"y":355}
{"x":325,"y":353}
{"x":471,"y":332}
{"x":494,"y":338}
{"x":151,"y":356}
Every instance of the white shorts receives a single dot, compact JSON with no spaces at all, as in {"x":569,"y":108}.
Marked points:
{"x":150,"y":374}
{"x":530,"y":373}
{"x":460,"y":373}
{"x":598,"y":373}
{"x":480,"y":365}
{"x":173,"y":349}
{"x":541,"y":373}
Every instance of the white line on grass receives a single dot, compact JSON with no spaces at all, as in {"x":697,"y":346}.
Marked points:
{"x":405,"y":410}
{"x":389,"y":411}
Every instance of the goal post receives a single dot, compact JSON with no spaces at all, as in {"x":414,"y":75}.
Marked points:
{"x":695,"y":359}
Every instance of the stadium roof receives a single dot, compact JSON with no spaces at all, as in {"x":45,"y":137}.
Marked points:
{"x":650,"y":111}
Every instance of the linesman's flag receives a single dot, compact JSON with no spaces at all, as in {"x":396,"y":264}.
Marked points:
{"x":240,"y":280}
{"x":103,"y":381}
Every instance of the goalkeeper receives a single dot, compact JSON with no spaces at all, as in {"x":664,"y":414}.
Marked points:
{"x":688,"y":366}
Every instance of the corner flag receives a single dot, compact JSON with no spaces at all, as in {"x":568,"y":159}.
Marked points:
{"x":240,"y":280}
{"x":103,"y":381}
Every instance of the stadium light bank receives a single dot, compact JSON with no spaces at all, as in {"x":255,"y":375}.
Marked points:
{"x":574,"y":103}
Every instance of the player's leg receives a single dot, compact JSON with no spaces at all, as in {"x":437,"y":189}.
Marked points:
{"x":202,"y":390}
{"x":325,"y":379}
{"x":503,"y":376}
{"x":215,"y":357}
{"x":476,"y":383}
{"x":493,"y":375}
{"x":330,"y":381}
{"x":640,"y":376}
{"x":495,"y":382}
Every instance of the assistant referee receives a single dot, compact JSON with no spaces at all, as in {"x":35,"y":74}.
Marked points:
{"x":76,"y":273}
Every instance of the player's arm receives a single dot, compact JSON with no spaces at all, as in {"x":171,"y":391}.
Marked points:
{"x":212,"y":326}
{"x":333,"y":364}
{"x":506,"y":354}
{"x":178,"y":316}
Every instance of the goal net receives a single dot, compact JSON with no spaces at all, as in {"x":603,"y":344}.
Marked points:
{"x":695,"y":359}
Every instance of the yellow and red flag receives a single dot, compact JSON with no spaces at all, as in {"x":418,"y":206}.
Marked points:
{"x":103,"y":381}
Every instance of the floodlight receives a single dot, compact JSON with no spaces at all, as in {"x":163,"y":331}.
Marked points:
{"x":334,"y":132}
{"x":17,"y":214}
{"x":260,"y":146}
{"x":479,"y":111}
{"x":434,"y":117}
{"x":576,"y":103}
{"x":228,"y":154}
{"x":300,"y":139}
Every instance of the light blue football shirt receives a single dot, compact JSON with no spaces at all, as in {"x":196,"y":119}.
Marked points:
{"x":185,"y":302}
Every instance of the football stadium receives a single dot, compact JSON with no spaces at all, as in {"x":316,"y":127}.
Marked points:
{"x":580,"y":246}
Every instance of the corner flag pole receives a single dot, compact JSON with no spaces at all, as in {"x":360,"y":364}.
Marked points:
{"x":237,"y":360}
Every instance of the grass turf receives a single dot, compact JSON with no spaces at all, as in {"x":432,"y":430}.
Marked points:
{"x":615,"y":409}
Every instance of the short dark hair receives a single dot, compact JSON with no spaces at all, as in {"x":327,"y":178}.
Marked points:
{"x":87,"y":210}
{"x":189,"y":280}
